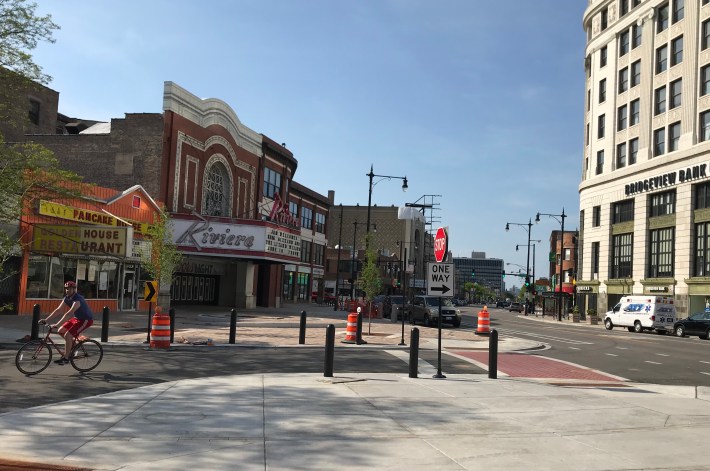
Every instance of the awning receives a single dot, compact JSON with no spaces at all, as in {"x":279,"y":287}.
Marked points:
{"x":565,"y":289}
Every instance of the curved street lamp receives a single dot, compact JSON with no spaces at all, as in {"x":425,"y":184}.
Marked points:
{"x":561,"y":219}
{"x":527,"y":227}
{"x":372,"y":175}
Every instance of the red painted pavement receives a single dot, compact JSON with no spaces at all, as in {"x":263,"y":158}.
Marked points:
{"x":533,"y":366}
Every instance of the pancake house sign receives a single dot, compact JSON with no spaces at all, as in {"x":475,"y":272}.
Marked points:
{"x":88,"y":240}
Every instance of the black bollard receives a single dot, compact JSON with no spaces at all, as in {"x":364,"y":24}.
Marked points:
{"x":493,"y":355}
{"x":233,"y":326}
{"x":171,"y":313}
{"x":329,"y":350}
{"x":358,"y":333}
{"x":414,"y":353}
{"x":104,"y":324}
{"x":302,"y":329}
{"x":34,"y":331}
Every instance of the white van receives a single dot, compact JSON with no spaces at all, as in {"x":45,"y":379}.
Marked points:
{"x":642,"y":312}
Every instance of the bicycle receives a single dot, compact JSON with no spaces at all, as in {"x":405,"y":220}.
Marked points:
{"x":36,"y":355}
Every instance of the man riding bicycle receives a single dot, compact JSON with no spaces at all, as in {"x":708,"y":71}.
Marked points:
{"x":82,"y":320}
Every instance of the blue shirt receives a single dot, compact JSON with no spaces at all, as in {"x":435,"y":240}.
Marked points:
{"x":83,"y":313}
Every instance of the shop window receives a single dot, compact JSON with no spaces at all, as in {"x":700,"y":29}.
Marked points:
{"x":272,"y":182}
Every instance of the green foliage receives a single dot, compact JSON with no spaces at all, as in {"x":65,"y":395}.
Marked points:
{"x":370,"y":276}
{"x":164,"y":257}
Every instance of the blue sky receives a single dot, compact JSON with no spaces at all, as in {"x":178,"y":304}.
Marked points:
{"x":480,"y":102}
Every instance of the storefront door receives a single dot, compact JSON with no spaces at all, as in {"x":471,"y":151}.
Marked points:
{"x":128,"y":293}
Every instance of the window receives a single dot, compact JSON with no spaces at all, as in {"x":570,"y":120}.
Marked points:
{"x":705,"y":80}
{"x":272,"y":182}
{"x":293,"y":208}
{"x":600,"y":162}
{"x":600,"y":129}
{"x":677,"y":51}
{"x":659,"y":99}
{"x":596,"y":216}
{"x":624,"y":43}
{"x":605,"y":19}
{"x":678,"y":10}
{"x":217,"y":191}
{"x":623,"y":80}
{"x":602,"y":57}
{"x":602,"y":91}
{"x":623,"y":211}
{"x":662,"y":18}
{"x":660,"y":261}
{"x":662,"y":204}
{"x":34,"y":111}
{"x":622,"y":118}
{"x":621,"y":155}
{"x":595,"y":260}
{"x":636,"y":36}
{"x":633,"y":150}
{"x":586,"y":136}
{"x":635,"y":110}
{"x":306,"y":251}
{"x":705,"y":32}
{"x":635,"y":73}
{"x":661,"y":59}
{"x":673,"y":136}
{"x":306,"y":218}
{"x":702,"y":196}
{"x":659,"y":142}
{"x":676,"y":93}
{"x":589,"y":100}
{"x":319,"y":255}
{"x":702,"y":249}
{"x":320,"y":223}
{"x":623,"y":7}
{"x":621,"y":255}
{"x":705,"y":126}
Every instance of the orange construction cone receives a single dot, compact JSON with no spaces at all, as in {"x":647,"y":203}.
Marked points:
{"x":484,"y":322}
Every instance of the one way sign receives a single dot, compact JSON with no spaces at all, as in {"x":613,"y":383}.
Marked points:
{"x":440,"y":279}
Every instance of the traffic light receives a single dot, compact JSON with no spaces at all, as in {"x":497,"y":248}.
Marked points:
{"x":473,"y":274}
{"x":527,"y":281}
{"x":503,"y":275}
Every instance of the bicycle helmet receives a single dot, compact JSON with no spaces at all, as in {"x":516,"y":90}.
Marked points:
{"x":70,"y":284}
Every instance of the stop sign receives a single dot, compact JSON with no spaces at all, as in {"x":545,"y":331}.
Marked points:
{"x":441,"y":244}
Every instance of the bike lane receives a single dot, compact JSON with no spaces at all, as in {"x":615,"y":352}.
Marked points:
{"x":518,"y":365}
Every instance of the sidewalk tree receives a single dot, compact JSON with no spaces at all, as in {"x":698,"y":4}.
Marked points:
{"x":164,"y":257}
{"x":370,"y":276}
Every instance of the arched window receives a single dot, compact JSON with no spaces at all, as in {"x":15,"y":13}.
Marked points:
{"x":217,"y":191}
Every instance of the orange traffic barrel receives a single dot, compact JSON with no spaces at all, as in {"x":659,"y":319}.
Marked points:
{"x":351,"y":329}
{"x":484,"y":322}
{"x":160,"y":330}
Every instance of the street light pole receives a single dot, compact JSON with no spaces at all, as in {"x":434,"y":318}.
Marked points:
{"x":337,"y":267}
{"x":527,"y":267}
{"x":353,"y":265}
{"x":372,"y":175}
{"x":562,"y":237}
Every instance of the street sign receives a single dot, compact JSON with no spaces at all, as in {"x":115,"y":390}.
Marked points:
{"x":150,"y":290}
{"x":440,"y":279}
{"x":441,"y":244}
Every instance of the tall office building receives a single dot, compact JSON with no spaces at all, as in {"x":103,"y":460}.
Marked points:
{"x":645,"y":188}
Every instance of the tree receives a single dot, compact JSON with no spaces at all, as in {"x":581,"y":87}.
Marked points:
{"x":164,"y":257}
{"x":370,"y":277}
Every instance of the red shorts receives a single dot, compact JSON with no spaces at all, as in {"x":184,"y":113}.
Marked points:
{"x":76,"y":326}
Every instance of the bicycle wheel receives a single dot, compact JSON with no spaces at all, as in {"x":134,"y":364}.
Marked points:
{"x":33,"y":357}
{"x":86,"y":355}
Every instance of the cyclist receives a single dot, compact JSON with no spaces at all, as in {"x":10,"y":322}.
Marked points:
{"x":82,"y":320}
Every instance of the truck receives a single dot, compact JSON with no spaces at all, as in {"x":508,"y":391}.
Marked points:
{"x":639,"y":313}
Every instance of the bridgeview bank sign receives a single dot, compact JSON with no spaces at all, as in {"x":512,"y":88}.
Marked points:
{"x":696,"y":172}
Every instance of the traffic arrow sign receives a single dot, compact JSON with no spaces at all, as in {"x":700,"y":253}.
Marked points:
{"x":150,"y":290}
{"x":444,"y":289}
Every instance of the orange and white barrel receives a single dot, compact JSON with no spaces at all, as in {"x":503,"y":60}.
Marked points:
{"x":484,"y":322}
{"x":351,"y":329}
{"x":160,"y":330}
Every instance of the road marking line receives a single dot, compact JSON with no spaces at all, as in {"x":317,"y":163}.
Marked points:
{"x":662,"y":355}
{"x":622,"y":348}
{"x":707,"y":362}
{"x":423,"y":367}
{"x":574,"y":348}
{"x":612,"y":354}
{"x":546,"y":337}
{"x":704,"y":373}
{"x":653,"y":362}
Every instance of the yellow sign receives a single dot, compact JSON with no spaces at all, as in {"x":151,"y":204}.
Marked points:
{"x":96,"y":240}
{"x":150,"y":291}
{"x":47,"y":208}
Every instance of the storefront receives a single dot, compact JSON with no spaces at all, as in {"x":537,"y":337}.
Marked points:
{"x":96,"y":243}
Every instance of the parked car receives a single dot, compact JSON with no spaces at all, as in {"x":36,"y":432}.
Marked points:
{"x":396,"y":300}
{"x":502,"y":304}
{"x":696,"y":324}
{"x":518,"y":307}
{"x":425,"y":309}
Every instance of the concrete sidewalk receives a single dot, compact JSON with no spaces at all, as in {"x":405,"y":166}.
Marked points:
{"x":354,"y":421}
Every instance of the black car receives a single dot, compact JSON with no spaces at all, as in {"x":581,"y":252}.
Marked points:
{"x":696,"y":324}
